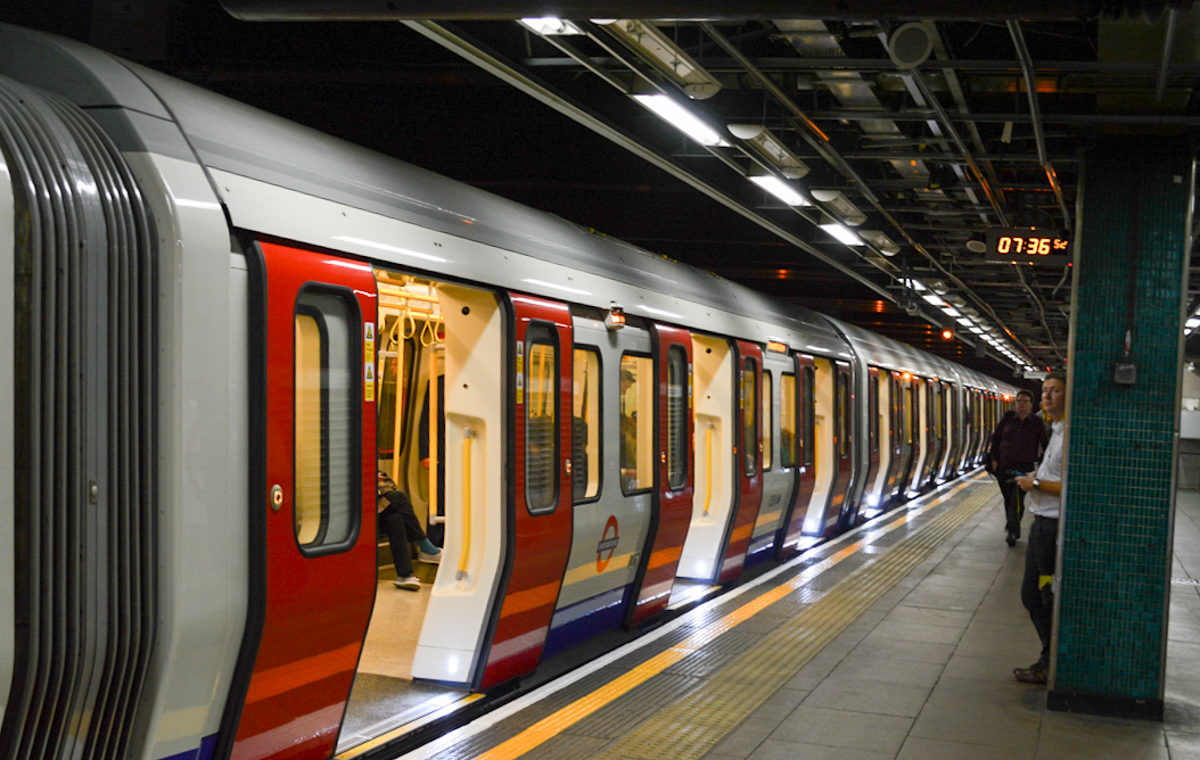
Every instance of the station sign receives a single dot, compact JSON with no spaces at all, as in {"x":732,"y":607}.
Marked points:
{"x":1030,"y":245}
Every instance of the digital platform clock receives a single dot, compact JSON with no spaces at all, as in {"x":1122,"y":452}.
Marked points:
{"x":1032,"y":245}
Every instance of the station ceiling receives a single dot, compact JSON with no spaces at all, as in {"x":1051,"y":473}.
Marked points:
{"x":919,"y":126}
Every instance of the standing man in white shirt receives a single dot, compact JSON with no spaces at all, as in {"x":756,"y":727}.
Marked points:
{"x":1044,"y":500}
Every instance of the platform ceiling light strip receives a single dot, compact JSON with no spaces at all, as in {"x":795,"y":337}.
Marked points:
{"x":780,"y":189}
{"x":766,"y":143}
{"x":840,"y":205}
{"x":550,"y":26}
{"x":682,"y":119}
{"x":664,"y":55}
{"x":885,"y":244}
{"x":842,"y":233}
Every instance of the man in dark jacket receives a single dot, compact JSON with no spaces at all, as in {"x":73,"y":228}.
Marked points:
{"x":1017,"y":444}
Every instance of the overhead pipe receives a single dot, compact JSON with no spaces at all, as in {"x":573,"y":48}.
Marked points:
{"x":1168,"y":48}
{"x":507,"y":72}
{"x":713,"y":10}
{"x":816,"y":141}
{"x":1035,"y":114}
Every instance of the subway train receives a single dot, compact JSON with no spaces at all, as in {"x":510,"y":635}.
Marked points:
{"x":227,"y":325}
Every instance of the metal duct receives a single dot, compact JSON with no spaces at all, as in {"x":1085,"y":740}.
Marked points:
{"x":86,"y":581}
{"x":710,"y":10}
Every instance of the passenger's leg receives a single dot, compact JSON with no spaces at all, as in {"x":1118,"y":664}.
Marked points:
{"x":391,"y":523}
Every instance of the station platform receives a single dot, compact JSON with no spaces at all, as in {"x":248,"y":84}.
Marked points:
{"x":895,"y":641}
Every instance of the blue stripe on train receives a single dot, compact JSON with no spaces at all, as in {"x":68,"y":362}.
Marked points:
{"x":204,"y":752}
{"x":583,"y":620}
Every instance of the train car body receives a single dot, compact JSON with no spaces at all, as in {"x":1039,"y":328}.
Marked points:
{"x":226,"y":324}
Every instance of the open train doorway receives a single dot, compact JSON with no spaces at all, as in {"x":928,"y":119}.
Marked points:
{"x":423,"y":327}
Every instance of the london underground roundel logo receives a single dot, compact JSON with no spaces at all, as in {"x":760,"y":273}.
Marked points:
{"x":607,"y":545}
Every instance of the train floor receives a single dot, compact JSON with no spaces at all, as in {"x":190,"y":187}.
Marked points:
{"x":895,"y":641}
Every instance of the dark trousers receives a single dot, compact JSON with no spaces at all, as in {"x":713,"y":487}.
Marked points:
{"x":400,"y":524}
{"x":1037,"y":588}
{"x":1014,"y":499}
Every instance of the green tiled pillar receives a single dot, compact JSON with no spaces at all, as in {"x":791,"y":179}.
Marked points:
{"x":1116,"y":533}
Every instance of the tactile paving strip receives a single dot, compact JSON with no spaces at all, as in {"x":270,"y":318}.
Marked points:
{"x":779,"y":626}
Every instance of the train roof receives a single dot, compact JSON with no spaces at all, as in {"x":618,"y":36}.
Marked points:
{"x":145,"y":110}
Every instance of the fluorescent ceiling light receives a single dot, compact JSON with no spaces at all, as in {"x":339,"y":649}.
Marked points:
{"x":975,"y":329}
{"x":935,"y":300}
{"x":663,"y":54}
{"x":887,"y":247}
{"x":965,"y":322}
{"x":772,"y":148}
{"x":841,"y":205}
{"x":1193,"y":323}
{"x":842,"y":233}
{"x":563,"y":288}
{"x":912,"y":283}
{"x":550,"y":26}
{"x":950,"y":311}
{"x":780,"y":189}
{"x":682,"y":119}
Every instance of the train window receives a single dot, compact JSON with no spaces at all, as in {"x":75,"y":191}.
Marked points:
{"x":541,"y":418}
{"x":328,"y":494}
{"x":768,"y":420}
{"x":749,"y":405}
{"x":585,"y":427}
{"x":842,"y":414}
{"x":808,"y":423}
{"x":637,"y":423}
{"x":874,"y":411}
{"x":677,"y":417}
{"x":787,"y":420}
{"x":910,"y":419}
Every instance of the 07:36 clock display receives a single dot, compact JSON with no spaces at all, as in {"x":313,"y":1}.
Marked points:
{"x":1038,"y":246}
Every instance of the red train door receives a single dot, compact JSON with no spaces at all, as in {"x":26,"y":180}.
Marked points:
{"x":672,"y":511}
{"x":318,"y":502}
{"x":539,"y":537}
{"x":747,"y":460}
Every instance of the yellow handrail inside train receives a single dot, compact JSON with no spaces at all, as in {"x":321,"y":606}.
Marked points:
{"x":708,"y":436}
{"x":465,"y":556}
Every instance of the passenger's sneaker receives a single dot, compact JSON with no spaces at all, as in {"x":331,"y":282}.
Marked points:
{"x":1035,"y":674}
{"x":411,"y":583}
{"x":430,"y":558}
{"x":1012,"y":540}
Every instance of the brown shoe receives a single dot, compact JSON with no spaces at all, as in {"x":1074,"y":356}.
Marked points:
{"x":1035,"y":674}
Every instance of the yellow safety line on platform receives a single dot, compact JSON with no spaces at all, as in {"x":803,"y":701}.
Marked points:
{"x":554,"y":724}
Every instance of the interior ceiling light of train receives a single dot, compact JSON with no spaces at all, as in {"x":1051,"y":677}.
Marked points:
{"x":887,"y":150}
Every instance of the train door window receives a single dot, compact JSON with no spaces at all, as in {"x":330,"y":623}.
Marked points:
{"x":873,"y":391}
{"x":749,"y":404}
{"x":842,"y":407}
{"x":768,"y":421}
{"x":637,"y":423}
{"x":910,"y":419}
{"x":585,"y":425}
{"x":541,"y":418}
{"x":677,"y":417}
{"x":327,"y":470}
{"x":787,"y":420}
{"x":808,"y":423}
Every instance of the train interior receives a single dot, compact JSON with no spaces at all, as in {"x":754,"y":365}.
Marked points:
{"x":413,"y":350}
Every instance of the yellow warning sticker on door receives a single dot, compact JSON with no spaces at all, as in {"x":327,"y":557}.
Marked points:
{"x":369,"y":342}
{"x":369,"y":381}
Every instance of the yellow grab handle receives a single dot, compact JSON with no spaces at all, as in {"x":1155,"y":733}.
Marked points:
{"x":465,"y":556}
{"x":708,"y":435}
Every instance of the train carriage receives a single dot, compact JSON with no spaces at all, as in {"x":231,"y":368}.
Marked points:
{"x":228,"y":324}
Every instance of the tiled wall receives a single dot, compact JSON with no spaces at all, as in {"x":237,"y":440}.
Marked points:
{"x":1116,"y":533}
